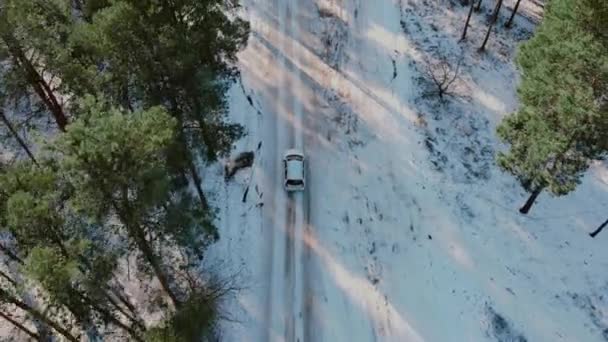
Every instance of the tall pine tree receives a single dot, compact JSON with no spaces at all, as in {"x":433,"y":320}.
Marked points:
{"x":116,"y":163}
{"x":562,"y":122}
{"x":172,"y":54}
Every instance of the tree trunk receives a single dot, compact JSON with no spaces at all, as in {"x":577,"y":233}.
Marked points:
{"x":187,"y":154}
{"x":478,"y":7}
{"x":510,"y":22}
{"x":109,"y":293}
{"x":599,"y":229}
{"x":91,"y":329}
{"x":83,"y":318}
{"x":526,"y":208}
{"x":8,"y":278}
{"x":56,"y":108}
{"x":20,"y":326}
{"x":491,"y":25}
{"x":42,"y":89}
{"x":87,"y":322}
{"x":151,"y":257}
{"x":107,"y":315}
{"x":144,"y":247}
{"x":497,"y":8}
{"x":466,"y":25}
{"x":37,"y":315}
{"x":197,"y":183}
{"x":122,"y":298}
{"x":41,"y":327}
{"x":138,"y":235}
{"x":17,"y":137}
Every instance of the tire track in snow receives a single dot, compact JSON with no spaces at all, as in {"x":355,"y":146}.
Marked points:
{"x":297,"y":310}
{"x":289,"y":274}
{"x":291,"y":206}
{"x":307,"y":296}
{"x":284,"y":294}
{"x":276,"y":214}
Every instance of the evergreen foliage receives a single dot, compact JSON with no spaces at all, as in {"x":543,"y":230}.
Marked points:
{"x":137,"y":92}
{"x":562,"y":122}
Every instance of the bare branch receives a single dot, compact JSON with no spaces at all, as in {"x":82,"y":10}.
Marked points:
{"x":443,"y":72}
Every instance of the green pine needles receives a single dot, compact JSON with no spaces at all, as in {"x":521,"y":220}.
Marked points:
{"x":562,"y":123}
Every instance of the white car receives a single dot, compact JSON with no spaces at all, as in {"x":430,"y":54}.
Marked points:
{"x":294,"y":170}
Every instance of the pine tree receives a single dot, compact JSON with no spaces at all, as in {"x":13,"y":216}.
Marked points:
{"x":136,"y":53}
{"x":12,"y":302}
{"x":169,"y":54}
{"x":115,"y":161}
{"x":26,"y":58}
{"x":34,"y":79}
{"x":108,"y":164}
{"x":56,"y":249}
{"x":45,"y":28}
{"x":163,"y":69}
{"x":10,"y":298}
{"x":562,"y":122}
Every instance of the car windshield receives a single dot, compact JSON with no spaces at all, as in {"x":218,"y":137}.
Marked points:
{"x":294,"y":182}
{"x":295,"y":157}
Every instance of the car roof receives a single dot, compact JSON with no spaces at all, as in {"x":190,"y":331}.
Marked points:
{"x":295,"y":169}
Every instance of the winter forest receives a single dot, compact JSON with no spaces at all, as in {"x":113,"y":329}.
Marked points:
{"x":289,"y":170}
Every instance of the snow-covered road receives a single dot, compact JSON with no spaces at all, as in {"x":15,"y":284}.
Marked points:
{"x":283,"y":217}
{"x":407,"y":230}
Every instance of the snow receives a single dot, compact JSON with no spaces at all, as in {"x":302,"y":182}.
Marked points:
{"x":407,"y":231}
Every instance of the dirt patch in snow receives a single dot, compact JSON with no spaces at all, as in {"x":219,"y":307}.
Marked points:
{"x":501,"y":329}
{"x":595,"y":306}
{"x":333,"y":34}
